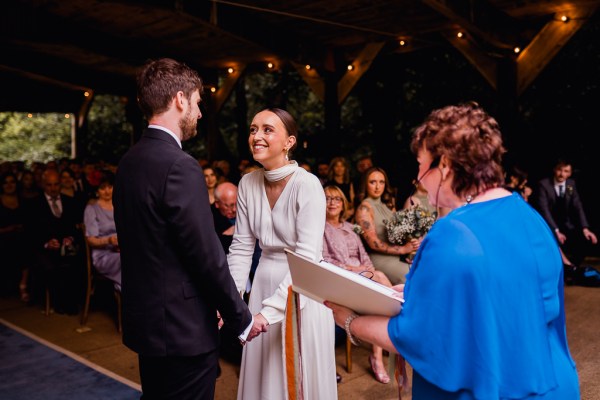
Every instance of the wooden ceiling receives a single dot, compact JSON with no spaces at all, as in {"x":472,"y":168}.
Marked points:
{"x":55,"y":50}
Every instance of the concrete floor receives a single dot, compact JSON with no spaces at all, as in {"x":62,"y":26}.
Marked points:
{"x":102,"y":346}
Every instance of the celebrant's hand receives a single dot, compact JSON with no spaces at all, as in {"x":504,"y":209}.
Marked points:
{"x":220,"y":320}
{"x":340,"y":313}
{"x":260,"y":326}
{"x":400,"y":291}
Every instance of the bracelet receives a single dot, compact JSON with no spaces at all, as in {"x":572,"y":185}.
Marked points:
{"x":354,"y":340}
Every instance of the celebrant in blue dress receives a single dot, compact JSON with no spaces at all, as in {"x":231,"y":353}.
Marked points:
{"x":483,"y":316}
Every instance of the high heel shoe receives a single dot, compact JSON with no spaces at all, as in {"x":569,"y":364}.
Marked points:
{"x":381,"y":377}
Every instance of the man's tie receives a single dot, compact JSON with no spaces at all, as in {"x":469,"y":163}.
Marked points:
{"x":55,"y":208}
{"x":561,"y":191}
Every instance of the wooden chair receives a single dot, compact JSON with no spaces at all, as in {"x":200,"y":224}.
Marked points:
{"x":92,"y":278}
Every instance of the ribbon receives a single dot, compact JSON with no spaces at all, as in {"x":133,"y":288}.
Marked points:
{"x":293,"y":351}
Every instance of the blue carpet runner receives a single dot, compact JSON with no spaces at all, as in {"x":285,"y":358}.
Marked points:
{"x":33,"y":369}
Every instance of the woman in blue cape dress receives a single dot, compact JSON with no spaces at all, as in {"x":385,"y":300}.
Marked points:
{"x":483,"y":316}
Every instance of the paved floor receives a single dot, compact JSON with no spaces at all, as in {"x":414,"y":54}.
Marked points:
{"x":102,"y":345}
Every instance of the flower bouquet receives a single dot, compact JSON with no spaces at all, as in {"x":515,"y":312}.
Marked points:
{"x":407,"y":224}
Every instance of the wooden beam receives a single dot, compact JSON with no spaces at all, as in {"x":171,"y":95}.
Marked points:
{"x":312,"y":79}
{"x":484,"y":63}
{"x":226,"y":87}
{"x":480,"y":18}
{"x":547,"y":43}
{"x":361,"y":65}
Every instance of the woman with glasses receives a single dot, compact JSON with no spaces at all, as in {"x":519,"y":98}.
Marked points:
{"x":342,"y":247}
{"x":375,"y":208}
{"x":483,"y":316}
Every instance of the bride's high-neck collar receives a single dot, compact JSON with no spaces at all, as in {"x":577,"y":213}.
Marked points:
{"x":280,"y":173}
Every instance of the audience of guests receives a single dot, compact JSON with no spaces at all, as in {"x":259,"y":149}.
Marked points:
{"x":339,"y":175}
{"x":101,"y":233}
{"x":375,"y":208}
{"x":343,"y":247}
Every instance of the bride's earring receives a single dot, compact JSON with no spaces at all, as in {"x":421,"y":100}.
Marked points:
{"x":286,"y":154}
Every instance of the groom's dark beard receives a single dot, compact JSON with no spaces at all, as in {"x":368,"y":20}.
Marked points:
{"x":188,"y":126}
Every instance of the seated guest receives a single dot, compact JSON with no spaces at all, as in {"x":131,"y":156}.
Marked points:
{"x":224,"y":212}
{"x":28,"y":188}
{"x":68,"y":188}
{"x":339,"y":175}
{"x":210,"y":176}
{"x":101,"y":233}
{"x":343,"y":247}
{"x":375,"y":208}
{"x":52,"y":232}
{"x":12,"y":239}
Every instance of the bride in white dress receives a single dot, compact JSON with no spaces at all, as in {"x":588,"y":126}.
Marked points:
{"x":282,"y":206}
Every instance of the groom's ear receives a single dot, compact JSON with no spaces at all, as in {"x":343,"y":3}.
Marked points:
{"x":179,"y":101}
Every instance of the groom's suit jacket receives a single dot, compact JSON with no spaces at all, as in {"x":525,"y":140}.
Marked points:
{"x":174,"y":271}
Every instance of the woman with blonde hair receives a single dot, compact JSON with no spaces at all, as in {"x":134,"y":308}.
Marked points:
{"x":339,"y":175}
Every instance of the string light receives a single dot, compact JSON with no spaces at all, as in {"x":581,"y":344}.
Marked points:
{"x":517,"y":50}
{"x":308,"y":67}
{"x":564,"y":18}
{"x":86,"y":94}
{"x":230,"y":70}
{"x":30,"y":115}
{"x":270,"y":65}
{"x":460,"y":35}
{"x":213,"y":89}
{"x":402,"y":43}
{"x":67,"y":116}
{"x":350,"y":67}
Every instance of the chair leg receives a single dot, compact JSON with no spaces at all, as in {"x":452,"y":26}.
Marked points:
{"x":86,"y":305}
{"x":119,"y":314}
{"x":47,"y":307}
{"x":348,"y":355}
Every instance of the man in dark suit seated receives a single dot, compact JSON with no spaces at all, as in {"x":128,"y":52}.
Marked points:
{"x":54,"y":240}
{"x":558,"y":201}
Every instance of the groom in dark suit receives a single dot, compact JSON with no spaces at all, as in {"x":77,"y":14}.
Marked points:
{"x":175,"y":274}
{"x":559,"y":203}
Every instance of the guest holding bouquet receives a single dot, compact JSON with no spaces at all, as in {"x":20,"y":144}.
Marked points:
{"x":478,"y":322}
{"x":376,"y":208}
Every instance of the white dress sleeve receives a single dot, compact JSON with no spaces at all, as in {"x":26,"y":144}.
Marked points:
{"x":309,"y":206}
{"x":242,"y":245}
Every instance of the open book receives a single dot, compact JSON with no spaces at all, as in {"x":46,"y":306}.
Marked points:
{"x":324,"y":281}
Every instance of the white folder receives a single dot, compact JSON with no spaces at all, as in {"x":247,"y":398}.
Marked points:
{"x":324,"y":281}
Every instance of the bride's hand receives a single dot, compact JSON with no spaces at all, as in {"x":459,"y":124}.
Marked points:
{"x":260,"y":326}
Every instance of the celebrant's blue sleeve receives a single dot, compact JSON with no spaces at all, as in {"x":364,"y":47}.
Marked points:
{"x":462,"y":323}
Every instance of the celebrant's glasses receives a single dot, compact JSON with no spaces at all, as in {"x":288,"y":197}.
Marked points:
{"x":335,"y":199}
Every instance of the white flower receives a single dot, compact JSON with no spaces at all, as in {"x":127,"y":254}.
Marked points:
{"x":410,"y":223}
